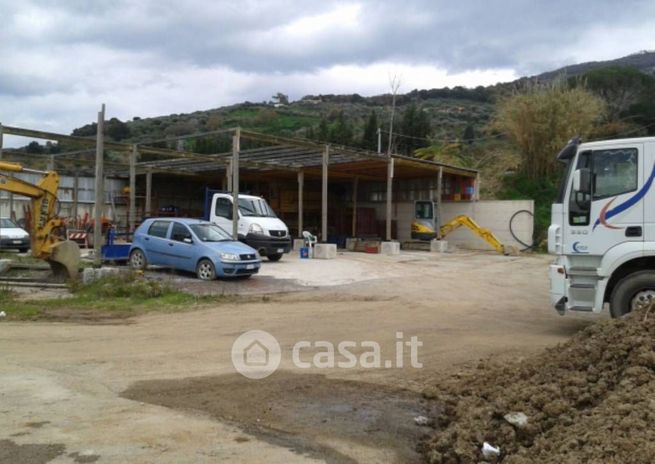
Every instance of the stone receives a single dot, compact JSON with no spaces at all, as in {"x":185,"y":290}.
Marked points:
{"x":325,"y":251}
{"x":390,"y":248}
{"x":438,"y":246}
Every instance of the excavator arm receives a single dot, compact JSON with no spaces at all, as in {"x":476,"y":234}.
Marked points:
{"x":484,"y":234}
{"x":48,"y":240}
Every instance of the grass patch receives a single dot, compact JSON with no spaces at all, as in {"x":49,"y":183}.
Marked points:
{"x":121,"y":295}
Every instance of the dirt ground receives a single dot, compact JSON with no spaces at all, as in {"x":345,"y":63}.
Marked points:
{"x":162,"y":388}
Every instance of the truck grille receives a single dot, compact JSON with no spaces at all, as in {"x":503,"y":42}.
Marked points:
{"x":248,"y":257}
{"x":278,"y":233}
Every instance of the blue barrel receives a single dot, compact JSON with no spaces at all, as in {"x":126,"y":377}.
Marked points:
{"x":304,"y":252}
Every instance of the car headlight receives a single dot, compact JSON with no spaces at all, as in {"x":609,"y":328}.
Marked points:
{"x":255,"y":229}
{"x":229,"y":257}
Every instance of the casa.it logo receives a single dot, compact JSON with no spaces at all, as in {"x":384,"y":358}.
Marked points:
{"x":580,"y":248}
{"x":606,"y":213}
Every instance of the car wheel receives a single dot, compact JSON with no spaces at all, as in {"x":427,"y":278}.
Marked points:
{"x":205,"y":270}
{"x":138,"y":260}
{"x":634,"y":292}
{"x":275,"y":257}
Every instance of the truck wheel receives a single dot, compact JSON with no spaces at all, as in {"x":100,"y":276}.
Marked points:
{"x":205,"y":270}
{"x":634,"y":292}
{"x":275,"y":257}
{"x":138,"y":260}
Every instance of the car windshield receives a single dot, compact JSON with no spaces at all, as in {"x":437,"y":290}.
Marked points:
{"x":255,"y":207}
{"x":210,"y":233}
{"x":7,"y":223}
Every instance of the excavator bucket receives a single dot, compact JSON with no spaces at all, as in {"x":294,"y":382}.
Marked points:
{"x":65,"y":260}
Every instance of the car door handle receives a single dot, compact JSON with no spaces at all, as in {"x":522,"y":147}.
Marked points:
{"x":633,"y":231}
{"x":170,"y":244}
{"x":146,"y":239}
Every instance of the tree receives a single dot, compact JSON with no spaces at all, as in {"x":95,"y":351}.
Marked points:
{"x":34,"y":147}
{"x":117,"y":129}
{"x":341,"y":131}
{"x":542,"y":119}
{"x":469,"y":134}
{"x":280,"y":98}
{"x":622,"y":87}
{"x":415,"y":126}
{"x":370,"y":136}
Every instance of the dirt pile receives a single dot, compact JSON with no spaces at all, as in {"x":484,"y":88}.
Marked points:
{"x":591,"y":399}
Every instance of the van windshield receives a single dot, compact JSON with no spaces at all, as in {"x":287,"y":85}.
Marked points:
{"x":255,"y":207}
{"x":7,"y":223}
{"x":210,"y":233}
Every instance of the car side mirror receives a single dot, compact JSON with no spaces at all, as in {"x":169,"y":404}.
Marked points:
{"x":187,"y":240}
{"x":582,"y":181}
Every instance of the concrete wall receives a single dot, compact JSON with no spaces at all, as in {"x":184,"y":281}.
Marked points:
{"x":493,"y":215}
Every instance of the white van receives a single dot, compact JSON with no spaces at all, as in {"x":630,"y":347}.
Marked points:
{"x":258,"y":226}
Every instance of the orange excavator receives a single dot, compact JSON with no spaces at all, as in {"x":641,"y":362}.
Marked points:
{"x":47,"y":230}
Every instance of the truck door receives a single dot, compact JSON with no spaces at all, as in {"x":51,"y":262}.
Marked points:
{"x":649,"y":197}
{"x":612,"y":211}
{"x":222,"y":213}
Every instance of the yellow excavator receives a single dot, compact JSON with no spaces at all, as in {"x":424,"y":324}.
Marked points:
{"x":424,"y":226}
{"x":47,"y":229}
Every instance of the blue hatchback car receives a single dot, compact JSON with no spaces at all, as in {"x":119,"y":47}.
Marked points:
{"x":192,"y":245}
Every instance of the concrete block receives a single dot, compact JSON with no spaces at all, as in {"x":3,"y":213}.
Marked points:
{"x":351,"y":243}
{"x":390,"y":248}
{"x":90,"y":275}
{"x":298,"y":243}
{"x":438,"y":246}
{"x":5,"y":264}
{"x":325,"y":251}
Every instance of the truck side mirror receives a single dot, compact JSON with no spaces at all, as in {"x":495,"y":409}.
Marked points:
{"x":582,"y":181}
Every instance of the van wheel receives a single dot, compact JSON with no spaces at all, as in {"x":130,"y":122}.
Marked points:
{"x":634,"y":292}
{"x":205,"y":270}
{"x":138,"y":260}
{"x":275,"y":257}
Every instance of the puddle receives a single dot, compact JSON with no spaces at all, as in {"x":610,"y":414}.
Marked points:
{"x":308,"y":413}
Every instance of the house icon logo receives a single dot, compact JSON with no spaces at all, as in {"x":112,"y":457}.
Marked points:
{"x":256,"y":354}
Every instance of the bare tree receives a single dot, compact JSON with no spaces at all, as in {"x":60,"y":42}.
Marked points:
{"x":394,"y":83}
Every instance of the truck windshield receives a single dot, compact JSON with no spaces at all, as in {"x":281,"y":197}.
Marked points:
{"x":256,"y":207}
{"x":210,"y":233}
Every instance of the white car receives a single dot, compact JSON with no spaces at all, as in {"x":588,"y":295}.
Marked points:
{"x":13,"y":237}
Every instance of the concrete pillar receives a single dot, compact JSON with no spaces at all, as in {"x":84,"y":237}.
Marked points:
{"x":228,"y":176}
{"x":324,"y":194}
{"x":132,"y":213}
{"x":437,"y":213}
{"x":99,"y":188}
{"x":51,"y":163}
{"x":301,"y":188}
{"x":355,"y":185}
{"x":148,"y":206}
{"x":236,"y":147}
{"x":76,"y":196}
{"x":389,"y":195}
{"x":379,"y":140}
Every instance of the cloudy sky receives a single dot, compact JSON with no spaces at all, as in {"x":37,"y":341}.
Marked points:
{"x":62,"y":59}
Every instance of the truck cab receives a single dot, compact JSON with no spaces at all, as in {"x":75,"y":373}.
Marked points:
{"x":602,"y":228}
{"x":258,"y":225}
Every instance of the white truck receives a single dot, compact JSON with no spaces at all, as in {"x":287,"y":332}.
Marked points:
{"x":258,"y":225}
{"x":603,"y":227}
